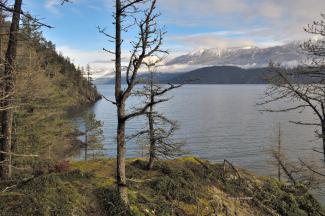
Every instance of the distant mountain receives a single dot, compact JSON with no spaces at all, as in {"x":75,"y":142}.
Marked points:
{"x":161,"y":77}
{"x":223,"y":75}
{"x":241,"y":65}
{"x":208,"y":75}
{"x":246,"y":57}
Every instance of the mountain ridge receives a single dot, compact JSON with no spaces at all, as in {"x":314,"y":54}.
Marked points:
{"x":246,"y":57}
{"x":208,"y":75}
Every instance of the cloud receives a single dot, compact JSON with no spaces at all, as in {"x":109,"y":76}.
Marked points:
{"x":270,"y":10}
{"x":100,"y":61}
{"x":178,"y":68}
{"x":51,"y":5}
{"x":280,"y":20}
{"x":221,"y":39}
{"x":194,"y":24}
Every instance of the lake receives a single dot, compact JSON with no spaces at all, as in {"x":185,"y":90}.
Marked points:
{"x":220,"y":122}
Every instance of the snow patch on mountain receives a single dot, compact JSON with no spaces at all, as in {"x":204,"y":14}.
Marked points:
{"x":245,"y":57}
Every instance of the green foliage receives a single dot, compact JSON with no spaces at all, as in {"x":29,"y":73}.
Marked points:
{"x":47,"y":86}
{"x":180,"y":187}
{"x":289,"y":200}
{"x":110,"y":202}
{"x":93,"y":135}
{"x":41,"y":122}
{"x":44,"y":195}
{"x":177,"y":184}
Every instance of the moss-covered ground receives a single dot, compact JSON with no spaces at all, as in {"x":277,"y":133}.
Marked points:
{"x":183,"y":186}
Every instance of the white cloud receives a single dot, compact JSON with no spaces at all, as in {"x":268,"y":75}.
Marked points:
{"x":212,"y":40}
{"x":51,"y":5}
{"x":270,"y":10}
{"x":100,"y":61}
{"x":236,"y":22}
{"x":178,"y":68}
{"x":281,"y":20}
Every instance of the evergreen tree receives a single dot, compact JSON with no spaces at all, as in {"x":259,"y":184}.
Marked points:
{"x":93,"y":136}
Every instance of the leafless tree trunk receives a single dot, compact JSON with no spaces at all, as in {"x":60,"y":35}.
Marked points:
{"x":158,"y":135}
{"x":86,"y":146}
{"x":147,"y":45}
{"x":152,"y":141}
{"x":323,"y":136}
{"x":120,"y":103}
{"x":2,"y":28}
{"x":279,"y":152}
{"x":2,"y":22}
{"x":8,"y":88}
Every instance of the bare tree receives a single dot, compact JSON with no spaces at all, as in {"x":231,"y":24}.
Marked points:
{"x":297,"y":97}
{"x":2,"y":29}
{"x":160,"y":128}
{"x":279,"y":152}
{"x":147,"y":45}
{"x":8,"y":88}
{"x":27,"y":15}
{"x":303,"y":88}
{"x":296,"y":172}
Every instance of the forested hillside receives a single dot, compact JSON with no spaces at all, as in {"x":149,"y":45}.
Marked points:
{"x":46,"y":86}
{"x":56,"y":158}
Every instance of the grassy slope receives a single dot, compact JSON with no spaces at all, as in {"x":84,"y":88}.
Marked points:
{"x":179,"y":187}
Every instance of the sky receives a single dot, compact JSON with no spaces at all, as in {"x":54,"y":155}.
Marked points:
{"x":190,"y":25}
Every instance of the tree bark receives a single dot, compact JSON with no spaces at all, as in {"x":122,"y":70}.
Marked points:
{"x":279,"y":152}
{"x":323,"y":138}
{"x":86,"y":146}
{"x":120,"y":103}
{"x":7,"y":115}
{"x":2,"y":22}
{"x":152,"y":148}
{"x":121,"y":175}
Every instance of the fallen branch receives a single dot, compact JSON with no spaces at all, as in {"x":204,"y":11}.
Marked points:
{"x":233,"y":167}
{"x":140,"y":181}
{"x":18,"y":155}
{"x":286,"y":171}
{"x":8,"y":188}
{"x":24,"y":181}
{"x":264,"y":207}
{"x":202,"y":163}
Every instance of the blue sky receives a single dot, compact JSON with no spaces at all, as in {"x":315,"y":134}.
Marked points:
{"x":191,"y":24}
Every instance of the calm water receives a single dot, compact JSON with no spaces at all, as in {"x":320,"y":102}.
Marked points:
{"x":221,"y":122}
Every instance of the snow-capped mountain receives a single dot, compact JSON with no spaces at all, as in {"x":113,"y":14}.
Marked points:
{"x":246,"y":57}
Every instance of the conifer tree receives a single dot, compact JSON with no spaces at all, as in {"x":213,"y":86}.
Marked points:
{"x":93,"y":136}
